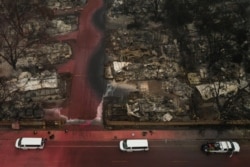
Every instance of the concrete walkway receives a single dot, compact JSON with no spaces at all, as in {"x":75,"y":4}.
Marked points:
{"x":107,"y":135}
{"x":83,"y":100}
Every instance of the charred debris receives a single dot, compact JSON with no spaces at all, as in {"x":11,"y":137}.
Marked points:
{"x":177,"y":61}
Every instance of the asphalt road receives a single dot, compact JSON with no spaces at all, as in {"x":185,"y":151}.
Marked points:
{"x":162,"y":153}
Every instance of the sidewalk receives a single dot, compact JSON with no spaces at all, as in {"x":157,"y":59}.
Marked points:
{"x":108,"y":135}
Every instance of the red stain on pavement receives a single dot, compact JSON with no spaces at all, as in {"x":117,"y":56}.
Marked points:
{"x":83,"y":102}
{"x":67,"y":67}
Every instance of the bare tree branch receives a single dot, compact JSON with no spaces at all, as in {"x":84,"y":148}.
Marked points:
{"x":23,"y":24}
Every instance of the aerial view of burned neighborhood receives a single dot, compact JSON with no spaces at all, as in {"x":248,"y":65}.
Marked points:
{"x":164,"y":62}
{"x":31,"y":49}
{"x":177,"y":62}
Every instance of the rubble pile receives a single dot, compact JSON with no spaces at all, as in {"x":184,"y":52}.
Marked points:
{"x":147,"y":71}
{"x":153,"y":100}
{"x":47,"y":85}
{"x":26,"y":93}
{"x":62,"y":25}
{"x":64,"y":4}
{"x":150,"y":108}
{"x":148,"y":54}
{"x":42,"y":55}
{"x":29,"y":81}
{"x":169,"y":60}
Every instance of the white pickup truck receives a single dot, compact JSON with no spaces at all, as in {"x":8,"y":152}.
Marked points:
{"x":221,"y":147}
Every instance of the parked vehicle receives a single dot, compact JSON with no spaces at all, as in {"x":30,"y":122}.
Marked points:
{"x":221,"y":147}
{"x":131,"y":145}
{"x":26,"y":143}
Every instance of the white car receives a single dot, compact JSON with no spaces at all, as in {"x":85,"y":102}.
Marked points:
{"x":130,"y":145}
{"x":221,"y":147}
{"x":26,"y":143}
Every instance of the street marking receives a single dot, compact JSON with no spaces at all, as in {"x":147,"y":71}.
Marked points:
{"x":112,"y":146}
{"x":179,"y":161}
{"x":81,"y":146}
{"x":119,"y":161}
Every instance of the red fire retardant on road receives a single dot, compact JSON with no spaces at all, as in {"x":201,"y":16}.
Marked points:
{"x":83,"y":101}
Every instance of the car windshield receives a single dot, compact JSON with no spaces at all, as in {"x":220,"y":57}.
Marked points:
{"x":125,"y":144}
{"x":217,"y":146}
{"x":232,"y":145}
{"x":20,"y":142}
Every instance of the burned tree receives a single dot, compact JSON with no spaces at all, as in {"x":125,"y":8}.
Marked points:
{"x":224,"y":26}
{"x":4,"y":93}
{"x":177,"y":13}
{"x":226,"y":86}
{"x":155,"y":8}
{"x":23,"y":23}
{"x":5,"y":96}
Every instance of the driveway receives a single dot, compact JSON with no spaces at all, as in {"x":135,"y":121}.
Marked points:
{"x":86,"y":64}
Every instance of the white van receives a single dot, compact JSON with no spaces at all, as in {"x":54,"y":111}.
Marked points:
{"x":26,"y":143}
{"x":131,"y":145}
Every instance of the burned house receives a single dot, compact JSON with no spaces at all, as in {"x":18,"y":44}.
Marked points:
{"x":27,"y":95}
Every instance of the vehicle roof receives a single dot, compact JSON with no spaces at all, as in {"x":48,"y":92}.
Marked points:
{"x":236,"y":146}
{"x":137,"y":142}
{"x":225,"y":144}
{"x":31,"y":140}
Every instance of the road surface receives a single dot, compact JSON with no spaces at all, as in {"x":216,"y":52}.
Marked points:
{"x":162,"y":153}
